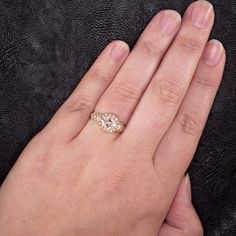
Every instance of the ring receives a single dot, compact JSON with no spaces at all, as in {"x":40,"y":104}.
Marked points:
{"x":108,"y":122}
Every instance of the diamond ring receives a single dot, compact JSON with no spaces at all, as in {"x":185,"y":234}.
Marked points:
{"x":108,"y":122}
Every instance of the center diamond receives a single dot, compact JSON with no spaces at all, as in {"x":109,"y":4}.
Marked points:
{"x":109,"y":122}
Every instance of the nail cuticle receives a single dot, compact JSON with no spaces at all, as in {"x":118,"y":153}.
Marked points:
{"x":169,"y":22}
{"x":201,"y":13}
{"x":118,"y":52}
{"x":213,"y":53}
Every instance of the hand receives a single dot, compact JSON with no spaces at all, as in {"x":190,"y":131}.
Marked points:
{"x":75,"y":179}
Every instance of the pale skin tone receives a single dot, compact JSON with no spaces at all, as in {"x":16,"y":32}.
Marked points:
{"x":74,"y":179}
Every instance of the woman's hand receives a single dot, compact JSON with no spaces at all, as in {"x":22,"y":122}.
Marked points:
{"x":75,"y":179}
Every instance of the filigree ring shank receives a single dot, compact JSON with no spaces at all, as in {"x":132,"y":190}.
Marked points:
{"x":108,"y":122}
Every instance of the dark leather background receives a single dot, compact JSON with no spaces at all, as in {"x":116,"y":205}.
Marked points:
{"x":46,"y":46}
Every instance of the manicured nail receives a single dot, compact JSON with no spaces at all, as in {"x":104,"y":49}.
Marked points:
{"x":119,"y":50}
{"x":188,"y":190}
{"x":213,"y":52}
{"x":201,"y":13}
{"x":170,"y":21}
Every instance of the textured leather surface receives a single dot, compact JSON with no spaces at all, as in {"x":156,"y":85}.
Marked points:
{"x":46,"y":46}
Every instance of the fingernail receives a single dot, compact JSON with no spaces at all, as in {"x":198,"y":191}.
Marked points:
{"x":201,"y":13}
{"x":170,"y":21}
{"x":188,"y":190}
{"x":119,"y":50}
{"x":213,"y":52}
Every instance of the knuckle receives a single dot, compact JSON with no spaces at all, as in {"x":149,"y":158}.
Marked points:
{"x":126,"y":93}
{"x":190,"y":44}
{"x":167,"y":91}
{"x":80,"y":103}
{"x":39,"y":163}
{"x":202,"y":78}
{"x":189,"y":124}
{"x":99,"y":75}
{"x":152,"y":49}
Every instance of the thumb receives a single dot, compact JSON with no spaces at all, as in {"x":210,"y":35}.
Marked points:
{"x":182,"y":218}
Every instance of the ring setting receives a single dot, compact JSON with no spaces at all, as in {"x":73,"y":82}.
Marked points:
{"x":108,"y":122}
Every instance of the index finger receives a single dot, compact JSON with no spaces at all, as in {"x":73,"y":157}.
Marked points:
{"x":177,"y":147}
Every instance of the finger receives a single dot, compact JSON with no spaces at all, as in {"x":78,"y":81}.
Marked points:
{"x":161,"y":101}
{"x":75,"y":112}
{"x":124,"y":93}
{"x":182,"y":218}
{"x":177,"y":148}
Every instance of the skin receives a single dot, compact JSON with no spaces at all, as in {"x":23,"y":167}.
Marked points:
{"x":73,"y":179}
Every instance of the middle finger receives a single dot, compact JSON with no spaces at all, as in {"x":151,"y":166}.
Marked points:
{"x":161,"y":100}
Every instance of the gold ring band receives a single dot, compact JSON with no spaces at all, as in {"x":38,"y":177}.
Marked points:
{"x":108,"y":122}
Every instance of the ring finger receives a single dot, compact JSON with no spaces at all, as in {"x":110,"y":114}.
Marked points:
{"x":125,"y":91}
